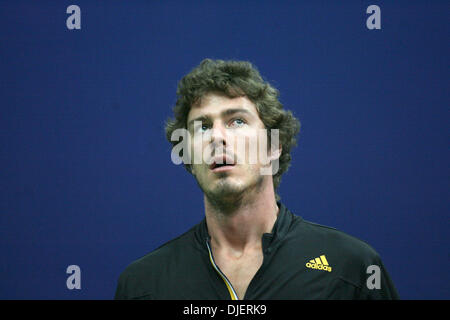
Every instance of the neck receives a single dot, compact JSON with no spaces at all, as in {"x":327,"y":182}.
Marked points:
{"x":238,"y":225}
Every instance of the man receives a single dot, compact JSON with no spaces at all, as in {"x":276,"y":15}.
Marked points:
{"x":249,"y":246}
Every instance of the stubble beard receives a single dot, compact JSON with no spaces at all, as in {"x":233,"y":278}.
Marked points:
{"x":227,"y":195}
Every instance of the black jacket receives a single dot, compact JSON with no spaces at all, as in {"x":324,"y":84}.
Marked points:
{"x":302,"y":260}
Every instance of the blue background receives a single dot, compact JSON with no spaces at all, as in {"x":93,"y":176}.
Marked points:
{"x":85,"y":170}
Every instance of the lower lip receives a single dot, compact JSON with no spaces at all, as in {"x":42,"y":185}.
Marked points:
{"x":222,"y":169}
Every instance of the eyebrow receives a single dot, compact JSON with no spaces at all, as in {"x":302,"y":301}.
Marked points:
{"x":227,"y":112}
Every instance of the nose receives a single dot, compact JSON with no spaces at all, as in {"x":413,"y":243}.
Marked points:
{"x":218,"y":134}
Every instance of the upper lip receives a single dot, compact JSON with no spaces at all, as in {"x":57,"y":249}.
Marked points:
{"x":226,"y":160}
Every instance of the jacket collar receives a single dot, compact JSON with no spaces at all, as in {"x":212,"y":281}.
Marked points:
{"x":269,"y":240}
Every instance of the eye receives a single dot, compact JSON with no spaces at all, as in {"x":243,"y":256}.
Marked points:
{"x":237,"y":123}
{"x":203,"y":127}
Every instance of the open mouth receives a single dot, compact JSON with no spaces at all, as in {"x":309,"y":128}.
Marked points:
{"x":223,"y":165}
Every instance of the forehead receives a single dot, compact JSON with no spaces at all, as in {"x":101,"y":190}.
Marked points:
{"x":214,"y":104}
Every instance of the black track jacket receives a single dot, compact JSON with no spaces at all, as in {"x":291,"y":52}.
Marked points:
{"x":302,"y":260}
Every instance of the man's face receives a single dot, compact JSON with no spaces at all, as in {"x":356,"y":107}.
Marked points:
{"x":221,"y":122}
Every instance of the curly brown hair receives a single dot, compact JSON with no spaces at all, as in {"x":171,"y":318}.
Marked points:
{"x":236,"y":79}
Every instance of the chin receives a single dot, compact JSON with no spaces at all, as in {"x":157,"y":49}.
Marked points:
{"x":225,"y":188}
{"x":230,"y":189}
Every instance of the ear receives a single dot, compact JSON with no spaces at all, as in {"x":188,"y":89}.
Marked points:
{"x":275,"y":154}
{"x":274,"y":165}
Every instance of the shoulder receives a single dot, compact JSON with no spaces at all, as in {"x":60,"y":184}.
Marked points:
{"x":162,"y":254}
{"x":144,"y":274}
{"x":342,"y":243}
{"x":346,"y":255}
{"x":352,"y":261}
{"x":347,"y":258}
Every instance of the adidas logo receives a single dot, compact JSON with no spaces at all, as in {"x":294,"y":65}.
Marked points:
{"x":320,"y":263}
